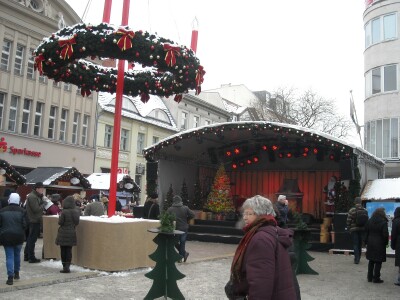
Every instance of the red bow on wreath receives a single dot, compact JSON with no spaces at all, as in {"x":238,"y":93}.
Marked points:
{"x":125,"y":42}
{"x":178,"y":98}
{"x":67,"y":47}
{"x":170,"y":56}
{"x":85,"y":92}
{"x":199,"y":79}
{"x":39,"y":63}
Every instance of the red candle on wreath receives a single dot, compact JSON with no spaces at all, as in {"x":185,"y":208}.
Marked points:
{"x":195,"y":34}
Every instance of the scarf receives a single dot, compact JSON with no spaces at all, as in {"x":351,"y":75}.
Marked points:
{"x":250,"y":230}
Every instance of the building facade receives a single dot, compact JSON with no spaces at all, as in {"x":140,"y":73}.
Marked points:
{"x":381,"y":71}
{"x":42,"y":122}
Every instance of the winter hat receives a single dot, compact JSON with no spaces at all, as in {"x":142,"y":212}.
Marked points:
{"x":357,"y":200}
{"x":55,"y":198}
{"x":38,"y":185}
{"x":177,"y":201}
{"x":14,"y":199}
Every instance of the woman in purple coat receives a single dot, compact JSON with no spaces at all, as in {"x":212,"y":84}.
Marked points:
{"x":261,"y":266}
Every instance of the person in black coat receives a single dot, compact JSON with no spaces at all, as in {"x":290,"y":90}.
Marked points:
{"x":66,"y":236}
{"x":377,"y":238}
{"x":151,"y":209}
{"x":395,"y":242}
{"x":12,"y":235}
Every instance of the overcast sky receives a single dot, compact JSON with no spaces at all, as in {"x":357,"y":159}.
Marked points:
{"x":263,"y":44}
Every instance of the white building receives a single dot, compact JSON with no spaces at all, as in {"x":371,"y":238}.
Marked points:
{"x":42,"y":123}
{"x":381,"y":71}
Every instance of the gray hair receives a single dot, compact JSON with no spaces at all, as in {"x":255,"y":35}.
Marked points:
{"x":260,"y":205}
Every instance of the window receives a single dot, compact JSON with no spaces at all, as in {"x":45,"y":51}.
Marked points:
{"x":140,"y":143}
{"x":30,"y":71}
{"x":19,"y":60}
{"x":56,"y":84}
{"x":381,"y":79}
{"x":67,"y":87}
{"x":394,"y":137}
{"x":2,"y":97}
{"x":37,"y":128}
{"x":207,"y":122}
{"x":63,"y":125}
{"x":85,"y":126}
{"x":5,"y":55}
{"x":26,"y":112}
{"x":373,"y":138}
{"x":75,"y":128}
{"x":380,"y":29}
{"x":124,"y":140}
{"x":12,"y":116}
{"x":108,"y":136}
{"x":52,"y":122}
{"x":378,"y":138}
{"x":382,"y":138}
{"x":43,"y":79}
{"x":155,"y":139}
{"x":184,"y":120}
{"x":386,"y":138}
{"x":196,"y":121}
{"x":159,"y":115}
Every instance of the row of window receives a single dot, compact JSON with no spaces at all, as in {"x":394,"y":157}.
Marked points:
{"x":19,"y":64}
{"x":58,"y":120}
{"x":124,"y":140}
{"x":195,"y":121}
{"x":380,"y":29}
{"x":381,"y":79}
{"x":382,"y":138}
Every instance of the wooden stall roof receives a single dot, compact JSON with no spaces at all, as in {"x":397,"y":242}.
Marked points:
{"x":57,"y":177}
{"x":382,"y":190}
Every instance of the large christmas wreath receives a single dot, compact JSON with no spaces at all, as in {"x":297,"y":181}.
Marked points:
{"x":169,"y":68}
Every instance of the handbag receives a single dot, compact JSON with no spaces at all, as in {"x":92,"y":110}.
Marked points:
{"x":229,"y":290}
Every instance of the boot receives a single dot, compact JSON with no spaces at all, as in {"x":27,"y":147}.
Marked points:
{"x":398,"y":280}
{"x":65,"y":268}
{"x":10,"y":280}
{"x":16,"y":275}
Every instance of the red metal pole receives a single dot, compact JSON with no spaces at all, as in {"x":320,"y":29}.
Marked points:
{"x":117,"y":122}
{"x":195,"y":35}
{"x":107,"y":11}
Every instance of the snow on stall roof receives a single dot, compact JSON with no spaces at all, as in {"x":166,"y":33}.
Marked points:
{"x":114,"y":219}
{"x":101,"y":181}
{"x":295,"y":127}
{"x":382,"y":189}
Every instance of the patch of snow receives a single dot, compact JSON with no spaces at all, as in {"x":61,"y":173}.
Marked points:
{"x":382,"y":189}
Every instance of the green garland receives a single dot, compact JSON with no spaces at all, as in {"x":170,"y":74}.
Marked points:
{"x":174,"y":69}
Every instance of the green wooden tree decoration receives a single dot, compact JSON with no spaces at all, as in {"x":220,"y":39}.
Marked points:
{"x":354,"y":185}
{"x":301,"y":245}
{"x":197,"y":202}
{"x":185,"y":194}
{"x":168,"y":200}
{"x":219,"y":199}
{"x":165,"y":274}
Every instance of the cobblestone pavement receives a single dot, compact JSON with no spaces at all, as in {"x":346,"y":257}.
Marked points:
{"x":206,"y":270}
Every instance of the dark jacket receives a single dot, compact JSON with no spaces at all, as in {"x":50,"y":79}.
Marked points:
{"x":377,"y":237}
{"x":266,"y":269}
{"x":34,"y":207}
{"x":351,"y":218}
{"x":182,"y":214}
{"x":12,"y":225}
{"x":151,"y":210}
{"x":68,"y":220}
{"x":395,"y":241}
{"x":94,"y":209}
{"x":283,"y":211}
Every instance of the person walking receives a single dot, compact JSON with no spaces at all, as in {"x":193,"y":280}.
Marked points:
{"x":12,"y":235}
{"x":182,"y":215}
{"x":377,"y":237}
{"x":66,"y":236}
{"x":261,"y":267}
{"x":34,"y":209}
{"x":151,"y":209}
{"x":395,"y":241}
{"x":357,"y":218}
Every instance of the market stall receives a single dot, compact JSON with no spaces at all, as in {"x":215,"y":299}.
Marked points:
{"x":107,"y":244}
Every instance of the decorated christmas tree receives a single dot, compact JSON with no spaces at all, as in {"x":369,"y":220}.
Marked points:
{"x":184,"y":194}
{"x":219,"y":199}
{"x":168,"y":200}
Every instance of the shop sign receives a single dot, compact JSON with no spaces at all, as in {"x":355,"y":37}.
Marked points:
{"x":17,"y":151}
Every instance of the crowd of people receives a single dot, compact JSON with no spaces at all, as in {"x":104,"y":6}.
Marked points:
{"x":263,"y":266}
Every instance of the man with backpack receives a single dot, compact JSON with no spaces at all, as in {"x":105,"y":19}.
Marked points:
{"x":357,"y":218}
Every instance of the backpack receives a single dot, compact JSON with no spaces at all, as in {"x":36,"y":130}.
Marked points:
{"x":361,"y":217}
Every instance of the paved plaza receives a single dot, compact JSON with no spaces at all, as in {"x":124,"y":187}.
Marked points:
{"x":206,"y":270}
